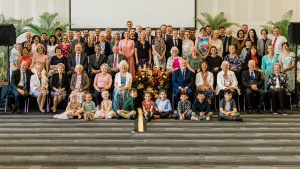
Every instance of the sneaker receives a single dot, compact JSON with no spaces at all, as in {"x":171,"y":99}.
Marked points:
{"x":207,"y":118}
{"x":239,"y":119}
{"x":275,"y":112}
{"x":170,"y":116}
{"x":156,"y":116}
{"x":108,"y":117}
{"x":148,"y":117}
{"x":284,"y":112}
{"x":194,"y":118}
{"x":132,"y":117}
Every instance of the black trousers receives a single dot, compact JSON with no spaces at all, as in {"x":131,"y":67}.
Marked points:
{"x":249,"y":96}
{"x":18,"y":97}
{"x":163,"y":114}
{"x":278,"y":98}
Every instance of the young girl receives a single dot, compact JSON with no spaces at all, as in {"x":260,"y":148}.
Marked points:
{"x":163,"y":107}
{"x":106,"y":111}
{"x":88,"y":107}
{"x":74,"y":108}
{"x":148,"y":106}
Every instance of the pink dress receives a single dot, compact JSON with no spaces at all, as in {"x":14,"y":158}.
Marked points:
{"x":65,"y":49}
{"x":127,"y":48}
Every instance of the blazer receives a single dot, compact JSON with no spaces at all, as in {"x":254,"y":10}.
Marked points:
{"x":282,"y":80}
{"x":167,"y":38}
{"x":16,"y":77}
{"x":220,"y":81}
{"x":261,"y":45}
{"x":72,"y":62}
{"x":170,"y":44}
{"x":234,"y":41}
{"x":247,"y":81}
{"x":107,"y":50}
{"x":54,"y":82}
{"x":93,"y":64}
{"x":35,"y":82}
{"x":179,"y":81}
{"x":248,"y":57}
{"x":110,"y":60}
{"x":75,"y":42}
{"x":85,"y":82}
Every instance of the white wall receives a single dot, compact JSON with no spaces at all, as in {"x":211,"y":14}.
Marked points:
{"x":251,"y":12}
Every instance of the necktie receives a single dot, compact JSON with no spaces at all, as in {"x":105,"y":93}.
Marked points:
{"x":115,"y":61}
{"x":149,"y":39}
{"x":77,"y":59}
{"x":24,"y":80}
{"x":183,"y":72}
{"x":175,"y":42}
{"x":97,"y":57}
{"x":264,"y":52}
{"x":226,"y":48}
{"x":252,"y":75}
{"x":274,"y":43}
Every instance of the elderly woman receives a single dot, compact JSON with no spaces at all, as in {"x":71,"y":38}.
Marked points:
{"x":277,"y":84}
{"x":126,"y":47}
{"x":194,"y":61}
{"x":267,"y":64}
{"x":80,"y":83}
{"x":40,"y":58}
{"x":287,"y":62}
{"x":226,"y":80}
{"x":187,"y":44}
{"x":123,"y":81}
{"x":205,"y":81}
{"x":235,"y":63}
{"x":159,"y":50}
{"x":58,"y":58}
{"x":102,"y":82}
{"x":39,"y":86}
{"x":58,"y":84}
{"x":173,"y":62}
{"x":143,"y":54}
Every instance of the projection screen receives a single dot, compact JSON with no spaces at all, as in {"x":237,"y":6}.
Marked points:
{"x":93,"y":14}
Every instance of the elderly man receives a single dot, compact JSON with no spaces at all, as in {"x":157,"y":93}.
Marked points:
{"x":28,"y":39}
{"x":277,"y":40}
{"x":77,"y":58}
{"x":253,"y":84}
{"x":20,"y":83}
{"x":182,"y":81}
{"x":113,"y":61}
{"x":229,"y":40}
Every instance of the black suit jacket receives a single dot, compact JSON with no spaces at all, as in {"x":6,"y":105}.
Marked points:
{"x":16,"y":77}
{"x":94,"y":64}
{"x":110,"y":60}
{"x":55,"y":81}
{"x":247,"y":81}
{"x":72,"y":62}
{"x":107,"y":50}
{"x":248,"y":57}
{"x":170,"y":44}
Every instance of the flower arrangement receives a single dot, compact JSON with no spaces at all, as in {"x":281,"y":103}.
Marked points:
{"x":152,"y":81}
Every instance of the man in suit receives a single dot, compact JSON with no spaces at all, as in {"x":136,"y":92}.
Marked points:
{"x":77,"y":58}
{"x":79,"y":40}
{"x":113,"y":61}
{"x":164,"y":34}
{"x":253,"y":84}
{"x":95,"y":62}
{"x":229,"y":40}
{"x":182,"y":81}
{"x":20,"y":84}
{"x":28,"y":39}
{"x":263,"y":43}
{"x":149,"y":37}
{"x":129,"y":26}
{"x":175,"y":41}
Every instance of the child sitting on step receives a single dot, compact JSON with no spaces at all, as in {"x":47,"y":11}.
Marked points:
{"x":184,"y":108}
{"x":88,"y":107}
{"x":106,"y":111}
{"x":148,"y":106}
{"x":201,"y":108}
{"x":74,"y":107}
{"x":228,"y":110}
{"x":163,"y":107}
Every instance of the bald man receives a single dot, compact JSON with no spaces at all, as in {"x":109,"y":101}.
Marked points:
{"x":229,"y":40}
{"x":78,"y":57}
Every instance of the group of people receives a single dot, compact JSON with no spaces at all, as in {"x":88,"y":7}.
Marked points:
{"x":215,"y":63}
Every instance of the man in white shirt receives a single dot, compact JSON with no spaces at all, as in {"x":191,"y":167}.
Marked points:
{"x":277,"y":40}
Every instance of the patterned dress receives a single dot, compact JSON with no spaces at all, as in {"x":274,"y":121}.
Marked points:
{"x":159,"y":47}
{"x":203,"y":46}
{"x":286,"y":62}
{"x":186,"y":48}
{"x":267,"y":66}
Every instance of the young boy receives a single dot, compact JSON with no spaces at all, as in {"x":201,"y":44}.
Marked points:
{"x":245,"y":50}
{"x":128,"y":110}
{"x":228,"y":110}
{"x":163,"y":107}
{"x":184,"y":108}
{"x":201,"y":108}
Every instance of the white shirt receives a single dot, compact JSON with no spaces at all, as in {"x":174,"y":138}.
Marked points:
{"x":77,"y":56}
{"x":278,"y":44}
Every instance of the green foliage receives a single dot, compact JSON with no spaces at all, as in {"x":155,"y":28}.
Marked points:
{"x":283,"y":24}
{"x":48,"y":24}
{"x":215,"y":22}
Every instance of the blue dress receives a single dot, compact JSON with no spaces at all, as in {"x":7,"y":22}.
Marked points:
{"x":267,"y":66}
{"x":120,"y":96}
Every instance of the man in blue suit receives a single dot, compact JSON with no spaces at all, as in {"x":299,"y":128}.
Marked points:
{"x":182,"y":81}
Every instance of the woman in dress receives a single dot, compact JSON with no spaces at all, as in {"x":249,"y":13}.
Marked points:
{"x":51,"y":46}
{"x":143,"y":54}
{"x":187,"y":44}
{"x":102,"y":82}
{"x":159,"y":50}
{"x":123,"y":81}
{"x":25,"y":56}
{"x":29,"y":47}
{"x":40,"y":58}
{"x":205,"y":81}
{"x":241,"y":38}
{"x":287,"y":62}
{"x":277,"y":84}
{"x":58,"y":58}
{"x":253,"y":55}
{"x":215,"y":41}
{"x":90,"y":45}
{"x":115,"y":40}
{"x":132,"y":35}
{"x":202,"y":44}
{"x":267,"y":64}
{"x":36,"y":42}
{"x":235,"y":63}
{"x":194,"y":61}
{"x":39,"y":86}
{"x":66,"y":46}
{"x":59,"y":84}
{"x":253,"y":36}
{"x":80,"y":83}
{"x":126,"y":48}
{"x":173,"y":62}
{"x":214,"y":61}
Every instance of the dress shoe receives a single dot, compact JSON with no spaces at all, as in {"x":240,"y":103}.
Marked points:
{"x":132,"y":117}
{"x":259,"y":112}
{"x":19,"y":111}
{"x":249,"y":111}
{"x":14,"y":109}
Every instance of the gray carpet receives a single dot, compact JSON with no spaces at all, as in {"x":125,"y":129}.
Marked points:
{"x":36,"y":140}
